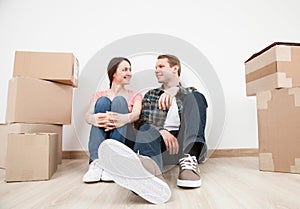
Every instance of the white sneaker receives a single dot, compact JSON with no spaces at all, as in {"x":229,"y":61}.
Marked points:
{"x":136,"y":173}
{"x":94,"y":173}
{"x":106,"y":177}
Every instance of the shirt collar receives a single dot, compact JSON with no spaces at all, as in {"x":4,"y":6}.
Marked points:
{"x":161,"y":88}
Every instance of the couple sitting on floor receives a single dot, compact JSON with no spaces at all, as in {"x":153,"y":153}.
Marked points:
{"x":133,"y":137}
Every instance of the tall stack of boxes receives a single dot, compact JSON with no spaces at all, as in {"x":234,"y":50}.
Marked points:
{"x":39,"y":103}
{"x":273,"y":75}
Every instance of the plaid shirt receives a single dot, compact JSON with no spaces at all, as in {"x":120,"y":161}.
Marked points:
{"x":151,"y":114}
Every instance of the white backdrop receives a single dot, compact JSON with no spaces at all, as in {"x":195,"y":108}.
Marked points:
{"x":226,"y":32}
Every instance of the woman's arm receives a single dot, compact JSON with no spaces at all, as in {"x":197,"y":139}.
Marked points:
{"x":102,"y":120}
{"x":123,"y":119}
{"x":120,"y":119}
{"x":136,"y":111}
{"x":90,"y":116}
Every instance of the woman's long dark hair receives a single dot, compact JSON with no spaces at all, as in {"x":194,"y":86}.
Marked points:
{"x":112,"y":67}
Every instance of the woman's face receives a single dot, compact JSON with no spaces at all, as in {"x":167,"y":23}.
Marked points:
{"x":123,"y":73}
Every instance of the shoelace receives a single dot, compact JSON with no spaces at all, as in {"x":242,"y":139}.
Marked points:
{"x":188,"y":162}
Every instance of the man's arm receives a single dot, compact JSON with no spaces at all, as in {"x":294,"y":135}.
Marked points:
{"x":145,"y":114}
{"x":165,"y":100}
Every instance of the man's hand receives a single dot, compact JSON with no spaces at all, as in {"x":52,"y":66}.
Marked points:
{"x":165,"y":99}
{"x":170,"y":142}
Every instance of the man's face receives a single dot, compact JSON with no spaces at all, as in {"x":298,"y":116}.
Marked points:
{"x":163,"y":71}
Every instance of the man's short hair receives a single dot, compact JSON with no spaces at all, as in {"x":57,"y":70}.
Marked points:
{"x":172,"y":60}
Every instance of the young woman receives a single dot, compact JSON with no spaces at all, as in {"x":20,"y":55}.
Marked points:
{"x":111,"y":115}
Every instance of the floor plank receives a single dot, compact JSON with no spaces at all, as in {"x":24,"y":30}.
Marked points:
{"x":227,"y":183}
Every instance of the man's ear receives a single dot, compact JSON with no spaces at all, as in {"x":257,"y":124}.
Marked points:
{"x":175,"y":69}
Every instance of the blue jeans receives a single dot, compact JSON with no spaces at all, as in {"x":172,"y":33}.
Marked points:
{"x":150,"y":143}
{"x":98,"y":135}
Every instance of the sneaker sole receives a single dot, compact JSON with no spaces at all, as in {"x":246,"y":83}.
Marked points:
{"x":126,"y":169}
{"x":105,"y":177}
{"x":188,"y":183}
{"x":91,"y":181}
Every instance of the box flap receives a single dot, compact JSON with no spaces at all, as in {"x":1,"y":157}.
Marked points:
{"x":270,"y":46}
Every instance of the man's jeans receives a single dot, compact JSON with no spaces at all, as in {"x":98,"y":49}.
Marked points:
{"x":98,"y":135}
{"x":193,"y":120}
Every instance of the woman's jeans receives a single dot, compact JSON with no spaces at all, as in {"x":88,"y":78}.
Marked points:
{"x":98,"y":135}
{"x":193,"y":120}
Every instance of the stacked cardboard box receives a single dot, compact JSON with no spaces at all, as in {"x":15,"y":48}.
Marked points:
{"x":6,"y":129}
{"x":273,"y":75}
{"x":53,"y":66}
{"x":39,"y":103}
{"x":31,"y":157}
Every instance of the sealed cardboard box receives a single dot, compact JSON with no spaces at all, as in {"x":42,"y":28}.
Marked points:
{"x":3,"y":144}
{"x":6,"y":129}
{"x":32,"y":100}
{"x":40,"y":128}
{"x":276,"y":66}
{"x":54,"y":66}
{"x":31,"y":157}
{"x":278,"y":114}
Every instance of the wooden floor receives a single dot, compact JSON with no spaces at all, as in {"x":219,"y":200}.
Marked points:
{"x":227,"y":183}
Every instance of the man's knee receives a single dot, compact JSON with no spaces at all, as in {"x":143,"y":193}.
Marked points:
{"x":147,"y":133}
{"x":199,"y":98}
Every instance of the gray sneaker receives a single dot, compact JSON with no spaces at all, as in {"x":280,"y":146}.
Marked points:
{"x":189,"y":172}
{"x":137,"y":173}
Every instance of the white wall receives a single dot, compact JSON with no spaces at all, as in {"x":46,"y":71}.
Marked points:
{"x":226,"y":32}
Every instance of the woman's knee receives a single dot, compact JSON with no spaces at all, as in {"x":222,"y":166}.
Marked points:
{"x":102,"y":105}
{"x":119,"y":100}
{"x":119,"y":104}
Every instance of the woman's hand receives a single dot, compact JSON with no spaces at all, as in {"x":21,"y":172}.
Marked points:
{"x":102,"y":120}
{"x":110,"y":120}
{"x":116,"y":120}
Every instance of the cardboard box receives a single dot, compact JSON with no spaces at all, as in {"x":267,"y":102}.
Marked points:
{"x":3,"y":144}
{"x":279,"y":130}
{"x":31,"y":157}
{"x":53,"y":66}
{"x":6,"y":129}
{"x":32,"y":100}
{"x":276,"y":66}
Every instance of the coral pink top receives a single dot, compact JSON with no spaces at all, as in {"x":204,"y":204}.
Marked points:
{"x":133,"y":97}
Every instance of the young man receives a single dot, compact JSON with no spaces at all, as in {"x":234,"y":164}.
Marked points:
{"x":172,"y":121}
